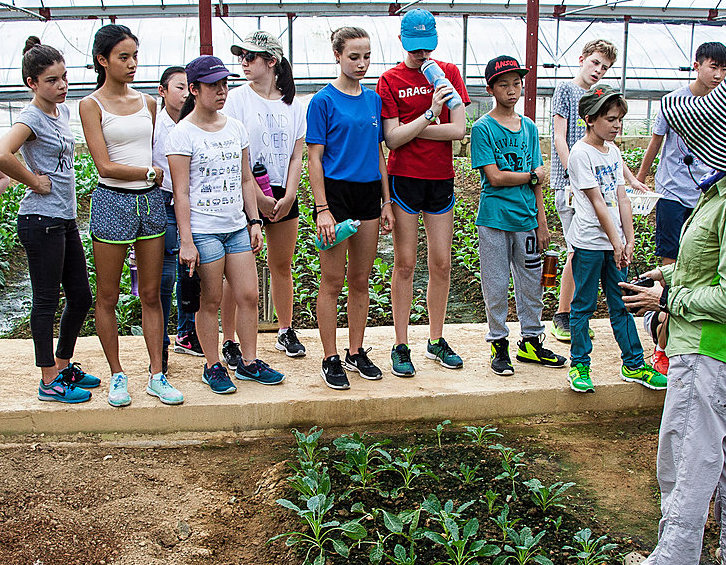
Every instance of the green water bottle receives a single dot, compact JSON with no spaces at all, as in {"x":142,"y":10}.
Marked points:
{"x":343,"y":231}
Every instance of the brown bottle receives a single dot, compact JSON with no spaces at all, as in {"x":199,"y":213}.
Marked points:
{"x":549,"y":269}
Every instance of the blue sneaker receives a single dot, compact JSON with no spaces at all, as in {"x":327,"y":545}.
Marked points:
{"x":59,"y":390}
{"x":158,"y":386}
{"x":118,"y":394}
{"x":218,"y":380}
{"x":260,"y":372}
{"x":73,"y":374}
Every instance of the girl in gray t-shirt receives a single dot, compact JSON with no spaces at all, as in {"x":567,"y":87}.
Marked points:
{"x":46,"y":222}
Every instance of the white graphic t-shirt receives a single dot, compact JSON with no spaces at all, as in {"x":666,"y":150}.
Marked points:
{"x":590,"y":168}
{"x":215,"y":174}
{"x":273,"y":129}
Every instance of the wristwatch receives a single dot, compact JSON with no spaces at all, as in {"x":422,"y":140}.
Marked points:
{"x":255,"y":222}
{"x":429,"y":115}
{"x":533,"y":178}
{"x":150,"y":174}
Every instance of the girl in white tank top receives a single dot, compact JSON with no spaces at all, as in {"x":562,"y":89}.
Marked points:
{"x":127,"y":207}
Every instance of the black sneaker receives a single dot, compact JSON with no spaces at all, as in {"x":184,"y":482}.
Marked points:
{"x":231,"y":353}
{"x":189,"y":344}
{"x":501,"y":363}
{"x":333,"y":373}
{"x":360,"y":362}
{"x":531,"y":350}
{"x":290,"y":344}
{"x":165,"y":360}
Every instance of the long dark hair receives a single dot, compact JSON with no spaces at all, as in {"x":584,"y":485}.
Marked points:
{"x":283,"y":77}
{"x":189,"y":103}
{"x":37,"y":58}
{"x":103,"y":43}
{"x":166,"y":77}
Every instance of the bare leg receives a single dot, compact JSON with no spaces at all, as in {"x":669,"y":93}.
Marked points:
{"x":281,"y":239}
{"x":405,"y":241}
{"x":567,"y":287}
{"x":149,"y":263}
{"x":332,"y":274}
{"x":109,"y":259}
{"x":241,"y":273}
{"x":361,"y":254}
{"x":229,"y":312}
{"x":439,"y":230}
{"x":207,"y":322}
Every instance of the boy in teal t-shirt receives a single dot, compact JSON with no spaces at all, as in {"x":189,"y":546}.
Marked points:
{"x":511,"y":220}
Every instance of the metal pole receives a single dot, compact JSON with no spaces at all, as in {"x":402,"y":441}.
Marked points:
{"x":289,"y":37}
{"x":205,"y":27}
{"x":530,"y":84}
{"x":466,"y":43}
{"x":690,"y":60}
{"x":626,"y":33}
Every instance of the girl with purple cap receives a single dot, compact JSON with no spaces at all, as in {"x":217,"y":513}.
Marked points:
{"x":217,"y":218}
{"x":127,"y":206}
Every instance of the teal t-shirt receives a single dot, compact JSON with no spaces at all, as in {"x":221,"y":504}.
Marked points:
{"x":507,"y":208}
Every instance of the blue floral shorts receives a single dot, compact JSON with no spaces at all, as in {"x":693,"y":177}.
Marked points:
{"x":125,"y":217}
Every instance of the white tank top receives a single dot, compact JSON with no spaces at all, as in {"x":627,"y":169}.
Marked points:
{"x":128,"y":141}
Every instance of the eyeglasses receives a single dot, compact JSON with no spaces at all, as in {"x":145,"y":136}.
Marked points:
{"x":248,"y":56}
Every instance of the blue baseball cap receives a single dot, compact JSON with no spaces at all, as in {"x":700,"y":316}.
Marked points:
{"x":207,"y":69}
{"x":418,"y":31}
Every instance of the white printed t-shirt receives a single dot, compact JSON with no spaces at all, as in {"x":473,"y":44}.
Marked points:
{"x":273,"y":128}
{"x":215,"y":174}
{"x":590,"y":168}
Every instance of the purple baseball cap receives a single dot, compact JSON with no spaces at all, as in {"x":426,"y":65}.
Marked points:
{"x":207,"y":69}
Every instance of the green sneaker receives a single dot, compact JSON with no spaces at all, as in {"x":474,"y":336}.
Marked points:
{"x":401,"y":365}
{"x":442,"y":352}
{"x":531,"y":350}
{"x":645,"y":375}
{"x":561,"y":326}
{"x":579,"y":377}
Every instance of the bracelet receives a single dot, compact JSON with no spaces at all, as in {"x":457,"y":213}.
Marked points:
{"x":255,"y":222}
{"x":386,"y":202}
{"x":321,"y":205}
{"x":326,"y":209}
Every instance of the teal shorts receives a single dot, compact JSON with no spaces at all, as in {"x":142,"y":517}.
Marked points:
{"x":125,"y":216}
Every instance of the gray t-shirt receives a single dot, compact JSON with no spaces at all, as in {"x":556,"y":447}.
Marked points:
{"x":672,"y":179}
{"x":565,"y":100}
{"x":51,"y":154}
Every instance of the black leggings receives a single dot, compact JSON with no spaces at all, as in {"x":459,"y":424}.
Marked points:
{"x":55,"y":258}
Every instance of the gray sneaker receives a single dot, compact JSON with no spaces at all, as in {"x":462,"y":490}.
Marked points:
{"x":118,"y":394}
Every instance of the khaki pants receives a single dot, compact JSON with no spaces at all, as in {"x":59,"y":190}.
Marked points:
{"x":691,"y":458}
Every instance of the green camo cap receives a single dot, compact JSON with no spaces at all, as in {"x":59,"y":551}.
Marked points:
{"x":259,"y":42}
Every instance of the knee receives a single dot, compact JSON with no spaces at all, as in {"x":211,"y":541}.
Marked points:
{"x":404,"y":269}
{"x":210,"y":302}
{"x":106,"y":299}
{"x":150,"y":298}
{"x":358,"y":283}
{"x":440,"y":267}
{"x":80,"y":301}
{"x":247,"y":299}
{"x":331,"y":283}
{"x":279,"y":269}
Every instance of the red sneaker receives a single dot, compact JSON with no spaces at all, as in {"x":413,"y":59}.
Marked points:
{"x":660,"y":362}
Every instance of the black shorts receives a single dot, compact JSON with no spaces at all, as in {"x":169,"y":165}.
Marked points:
{"x":278,"y":192}
{"x":670,"y":215}
{"x":422,"y":195}
{"x":348,"y":200}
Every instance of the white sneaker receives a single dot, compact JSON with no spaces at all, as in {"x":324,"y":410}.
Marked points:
{"x":118,"y":394}
{"x":158,"y":386}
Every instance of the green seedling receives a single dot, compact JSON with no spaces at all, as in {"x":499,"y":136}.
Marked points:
{"x":523,"y":549}
{"x":490,"y":497}
{"x":310,"y":482}
{"x":309,"y":453}
{"x":547,"y":497}
{"x":590,"y":551}
{"x":466,"y":474}
{"x":458,"y":538}
{"x":480,"y":435}
{"x":407,"y":469}
{"x":404,"y":525}
{"x":439,"y":429}
{"x":503,"y":521}
{"x":362,"y":462}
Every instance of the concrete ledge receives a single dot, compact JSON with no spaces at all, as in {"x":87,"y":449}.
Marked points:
{"x":303,"y":400}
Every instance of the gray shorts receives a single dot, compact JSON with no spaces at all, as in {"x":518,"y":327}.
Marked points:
{"x":566,"y":214}
{"x":125,"y":217}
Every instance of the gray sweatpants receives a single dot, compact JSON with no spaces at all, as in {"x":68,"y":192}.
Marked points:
{"x":691,"y":458}
{"x":502,"y":252}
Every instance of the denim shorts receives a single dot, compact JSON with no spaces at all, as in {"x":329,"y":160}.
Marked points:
{"x":213,"y":246}
{"x":128,"y":216}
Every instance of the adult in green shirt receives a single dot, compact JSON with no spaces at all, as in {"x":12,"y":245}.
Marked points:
{"x":691,"y":451}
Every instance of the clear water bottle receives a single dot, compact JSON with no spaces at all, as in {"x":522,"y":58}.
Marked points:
{"x":259,"y":171}
{"x":343,"y":231}
{"x":436,"y":77}
{"x":134,"y":273}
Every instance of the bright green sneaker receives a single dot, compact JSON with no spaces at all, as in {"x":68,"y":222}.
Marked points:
{"x":579,"y":377}
{"x":442,"y":352}
{"x":531,"y":350}
{"x":645,"y":375}
{"x":401,"y":365}
{"x":561,"y":326}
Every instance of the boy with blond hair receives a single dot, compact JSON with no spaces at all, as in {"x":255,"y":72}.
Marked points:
{"x":568,"y":128}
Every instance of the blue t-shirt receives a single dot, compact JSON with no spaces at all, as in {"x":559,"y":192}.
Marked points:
{"x":351,"y":129}
{"x":508,"y":208}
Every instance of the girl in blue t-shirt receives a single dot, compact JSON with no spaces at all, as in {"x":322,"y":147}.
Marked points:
{"x":349,"y":181}
{"x":47,"y":222}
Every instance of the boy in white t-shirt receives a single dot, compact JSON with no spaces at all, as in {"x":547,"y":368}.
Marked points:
{"x":601,"y":234}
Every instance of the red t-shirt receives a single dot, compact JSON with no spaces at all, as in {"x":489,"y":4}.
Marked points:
{"x":406,"y":94}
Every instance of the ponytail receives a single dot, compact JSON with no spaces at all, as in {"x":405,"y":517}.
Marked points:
{"x":37,"y":58}
{"x":284,"y":80}
{"x":105,"y":40}
{"x":189,"y":103}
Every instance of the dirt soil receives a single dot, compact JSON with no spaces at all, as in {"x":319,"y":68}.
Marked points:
{"x":209,"y":498}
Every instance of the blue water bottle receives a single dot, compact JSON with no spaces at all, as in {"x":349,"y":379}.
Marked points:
{"x":343,"y":231}
{"x":436,"y":77}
